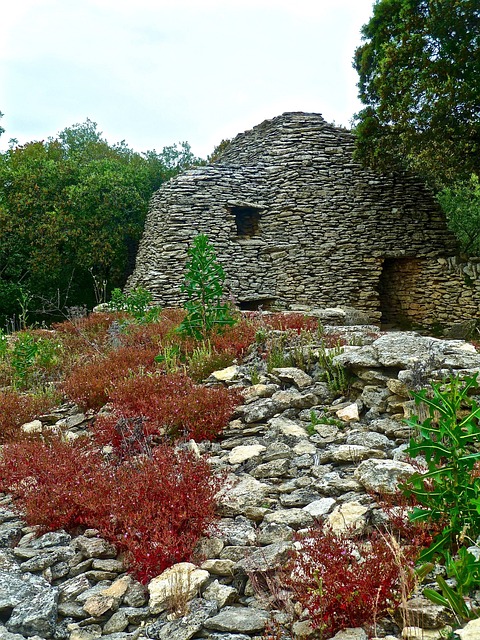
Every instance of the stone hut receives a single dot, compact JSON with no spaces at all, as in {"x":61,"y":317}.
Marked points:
{"x":296,"y":221}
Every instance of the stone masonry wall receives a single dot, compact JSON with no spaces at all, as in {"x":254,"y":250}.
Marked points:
{"x":431,"y":291}
{"x":323,"y":226}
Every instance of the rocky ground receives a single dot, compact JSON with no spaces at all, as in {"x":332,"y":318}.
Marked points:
{"x":294,"y":453}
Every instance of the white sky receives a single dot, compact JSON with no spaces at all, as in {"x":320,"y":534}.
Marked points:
{"x":156,"y":72}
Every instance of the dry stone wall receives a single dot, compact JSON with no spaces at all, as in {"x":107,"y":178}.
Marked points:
{"x":432,"y":291}
{"x":294,"y":220}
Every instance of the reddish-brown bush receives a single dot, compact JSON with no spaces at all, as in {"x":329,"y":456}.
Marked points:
{"x":17,"y":408}
{"x":89,"y":335}
{"x":155,"y":333}
{"x":291,"y":321}
{"x":93,"y":327}
{"x":89,"y":384}
{"x":161,"y":506}
{"x":235,"y":340}
{"x":56,"y":485}
{"x":345,"y":582}
{"x":396,"y":508}
{"x":153,"y":508}
{"x":169,"y":405}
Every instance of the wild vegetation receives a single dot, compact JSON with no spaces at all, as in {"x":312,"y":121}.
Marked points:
{"x":143,"y":370}
{"x":71,"y":213}
{"x":72,"y":210}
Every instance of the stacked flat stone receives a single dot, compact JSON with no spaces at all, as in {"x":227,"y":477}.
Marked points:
{"x":328,"y":231}
{"x":285,"y":471}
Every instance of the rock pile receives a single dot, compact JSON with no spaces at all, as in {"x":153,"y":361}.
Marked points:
{"x":292,"y":454}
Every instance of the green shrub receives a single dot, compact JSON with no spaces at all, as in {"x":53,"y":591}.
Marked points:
{"x":203,"y":285}
{"x":137,"y":303}
{"x":449,"y":491}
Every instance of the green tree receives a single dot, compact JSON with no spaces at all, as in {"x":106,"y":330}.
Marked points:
{"x":418,"y":79}
{"x":72,"y":206}
{"x":461,"y":203}
{"x":204,"y":279}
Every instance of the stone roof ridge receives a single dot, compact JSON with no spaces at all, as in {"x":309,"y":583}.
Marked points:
{"x":288,"y":134}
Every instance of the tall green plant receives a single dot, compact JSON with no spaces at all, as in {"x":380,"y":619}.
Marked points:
{"x":449,"y":491}
{"x":204,"y":280}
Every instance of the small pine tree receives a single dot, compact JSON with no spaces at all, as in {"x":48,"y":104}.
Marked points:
{"x":204,"y":279}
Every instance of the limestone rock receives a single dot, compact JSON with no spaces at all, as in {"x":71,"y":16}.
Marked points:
{"x":16,"y":588}
{"x":349,"y":414}
{"x":369,"y":439}
{"x":241,"y":453}
{"x":418,"y":633}
{"x":471,"y":631}
{"x":218,"y":567}
{"x":350,"y":515}
{"x":291,"y":398}
{"x":241,"y":493}
{"x":320,"y":507}
{"x":181,"y":580}
{"x":265,"y":558}
{"x":95,"y":547}
{"x":421,"y":612}
{"x":36,"y":616}
{"x":184,"y":627}
{"x":353,"y":453}
{"x":35,"y":426}
{"x":260,"y":410}
{"x":295,"y":518}
{"x":383,"y":476}
{"x":221,"y":594}
{"x":116,"y":623}
{"x":295,"y":376}
{"x":351,"y":634}
{"x":239,"y":619}
{"x":226,"y":375}
{"x":98,"y":604}
{"x":288,"y":427}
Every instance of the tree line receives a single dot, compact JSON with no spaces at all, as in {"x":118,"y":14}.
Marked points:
{"x":72,"y":211}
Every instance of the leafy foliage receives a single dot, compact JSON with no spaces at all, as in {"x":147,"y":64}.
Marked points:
{"x":203,"y":285}
{"x":71,"y":207}
{"x":461,"y":203}
{"x":465,"y":570}
{"x":30,"y":360}
{"x":418,"y":74}
{"x":447,"y":439}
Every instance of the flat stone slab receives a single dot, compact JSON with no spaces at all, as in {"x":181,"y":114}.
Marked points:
{"x":238,"y":619}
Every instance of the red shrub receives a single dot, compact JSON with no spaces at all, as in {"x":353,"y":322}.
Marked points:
{"x":344,"y":582}
{"x":396,"y":507}
{"x":89,"y":334}
{"x":161,"y":506}
{"x":155,"y":333}
{"x":291,"y":321}
{"x":57,"y":485}
{"x":168,"y":405}
{"x":89,"y":384}
{"x":17,"y":408}
{"x":235,"y":340}
{"x":153,"y":508}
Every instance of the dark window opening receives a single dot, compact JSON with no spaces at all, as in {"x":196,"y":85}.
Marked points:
{"x":247,"y":221}
{"x":254,"y":305}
